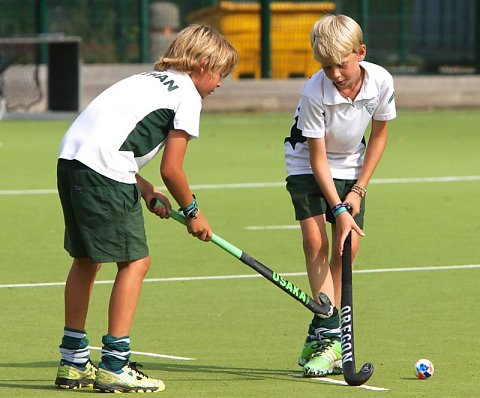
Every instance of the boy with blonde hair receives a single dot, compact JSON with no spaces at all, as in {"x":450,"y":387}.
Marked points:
{"x":329,"y":165}
{"x":100,"y":191}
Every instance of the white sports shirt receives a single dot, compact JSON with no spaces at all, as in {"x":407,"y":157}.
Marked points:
{"x":126,"y":125}
{"x":323,"y":113}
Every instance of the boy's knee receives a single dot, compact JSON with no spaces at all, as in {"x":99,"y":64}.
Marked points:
{"x":140,"y":266}
{"x":143,"y":265}
{"x":146,"y":264}
{"x":314,"y":245}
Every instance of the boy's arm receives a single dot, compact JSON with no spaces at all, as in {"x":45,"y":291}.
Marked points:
{"x":321,"y":170}
{"x":376,"y":146}
{"x":323,"y":176}
{"x":149,"y":191}
{"x":171,"y":167}
{"x":175,"y":179}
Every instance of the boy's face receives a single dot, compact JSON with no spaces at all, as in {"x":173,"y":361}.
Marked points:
{"x":205,"y":82}
{"x":346,"y":74}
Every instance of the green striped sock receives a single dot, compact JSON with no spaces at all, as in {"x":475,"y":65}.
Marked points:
{"x":115,"y":352}
{"x":74,"y":348}
{"x":328,"y":328}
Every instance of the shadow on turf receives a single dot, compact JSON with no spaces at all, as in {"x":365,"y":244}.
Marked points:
{"x":241,"y":373}
{"x":46,"y":385}
{"x":29,"y":384}
{"x":189,"y":370}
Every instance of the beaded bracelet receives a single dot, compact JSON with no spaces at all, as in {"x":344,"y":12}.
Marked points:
{"x":357,"y":191}
{"x":361,"y":190}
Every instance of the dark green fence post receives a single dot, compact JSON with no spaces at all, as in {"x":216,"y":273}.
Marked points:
{"x":403,"y":45}
{"x":477,"y":37}
{"x":265,"y":38}
{"x":41,"y":26}
{"x":364,"y":19}
{"x":143,"y":37}
{"x":121,"y":31}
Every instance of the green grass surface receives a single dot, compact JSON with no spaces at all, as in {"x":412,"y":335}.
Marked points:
{"x":244,"y":333}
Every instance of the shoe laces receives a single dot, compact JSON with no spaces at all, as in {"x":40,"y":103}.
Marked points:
{"x":134,"y":366}
{"x":323,"y":346}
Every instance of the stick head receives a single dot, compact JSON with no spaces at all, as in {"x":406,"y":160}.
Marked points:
{"x":357,"y":379}
{"x":326,"y":309}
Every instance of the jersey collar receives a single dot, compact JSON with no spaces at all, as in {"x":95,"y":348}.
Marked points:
{"x":333,"y":97}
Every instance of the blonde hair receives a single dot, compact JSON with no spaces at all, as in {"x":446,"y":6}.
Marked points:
{"x":333,"y":37}
{"x":199,"y":46}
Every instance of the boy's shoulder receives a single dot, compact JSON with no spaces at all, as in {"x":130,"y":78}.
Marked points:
{"x":165,"y":75}
{"x":314,"y":81}
{"x":375,"y":70}
{"x":170,"y":81}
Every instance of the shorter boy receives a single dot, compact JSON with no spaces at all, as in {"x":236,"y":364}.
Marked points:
{"x":329,"y":164}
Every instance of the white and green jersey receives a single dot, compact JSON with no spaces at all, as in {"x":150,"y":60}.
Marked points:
{"x":323,"y":113}
{"x":126,"y":125}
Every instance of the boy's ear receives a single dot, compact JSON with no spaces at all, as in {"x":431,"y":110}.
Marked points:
{"x":362,"y":52}
{"x":198,"y":70}
{"x":201,"y":65}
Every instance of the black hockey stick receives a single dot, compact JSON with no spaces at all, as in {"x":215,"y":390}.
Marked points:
{"x":348,"y":354}
{"x":323,"y":310}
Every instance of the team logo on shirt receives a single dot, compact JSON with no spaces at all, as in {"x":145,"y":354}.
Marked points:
{"x":170,"y":84}
{"x":370,"y":107}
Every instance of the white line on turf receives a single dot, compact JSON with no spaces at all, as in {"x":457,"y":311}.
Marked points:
{"x":341,"y":382}
{"x":248,"y":276}
{"x":267,"y":184}
{"x":151,"y":354}
{"x":423,"y":179}
{"x":28,"y":191}
{"x":271,"y":227}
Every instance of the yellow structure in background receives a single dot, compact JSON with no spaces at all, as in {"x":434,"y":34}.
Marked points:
{"x":290,"y":24}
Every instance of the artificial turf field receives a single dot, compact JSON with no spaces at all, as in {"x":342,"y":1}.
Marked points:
{"x":224,"y":331}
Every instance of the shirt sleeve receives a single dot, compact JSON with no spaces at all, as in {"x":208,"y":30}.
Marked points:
{"x":311,"y":117}
{"x":386,"y":109}
{"x":187,"y":115}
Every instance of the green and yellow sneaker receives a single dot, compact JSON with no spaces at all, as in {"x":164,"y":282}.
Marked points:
{"x":309,"y":348}
{"x":327,"y":360}
{"x":127,"y":379}
{"x":72,"y":377}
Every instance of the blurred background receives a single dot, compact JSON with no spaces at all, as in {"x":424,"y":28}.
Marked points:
{"x":43,"y":43}
{"x":406,"y":36}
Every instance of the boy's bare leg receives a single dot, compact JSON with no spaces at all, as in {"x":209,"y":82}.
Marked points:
{"x":125,"y":295}
{"x":116,"y":373}
{"x":315,"y":247}
{"x":75,"y":369}
{"x":323,"y":334}
{"x":78,"y":290}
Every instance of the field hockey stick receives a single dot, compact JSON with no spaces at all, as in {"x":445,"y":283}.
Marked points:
{"x":323,"y":310}
{"x":348,"y":354}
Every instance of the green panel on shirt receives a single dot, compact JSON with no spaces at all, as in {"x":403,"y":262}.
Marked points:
{"x":149,"y":132}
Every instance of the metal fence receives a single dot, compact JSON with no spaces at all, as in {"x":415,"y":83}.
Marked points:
{"x":426,"y":36}
{"x":406,"y":36}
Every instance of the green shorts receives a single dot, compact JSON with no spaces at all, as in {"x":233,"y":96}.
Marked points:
{"x":308,"y":199}
{"x":103,"y":217}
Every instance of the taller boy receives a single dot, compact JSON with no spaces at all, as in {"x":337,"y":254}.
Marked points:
{"x":100,"y":191}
